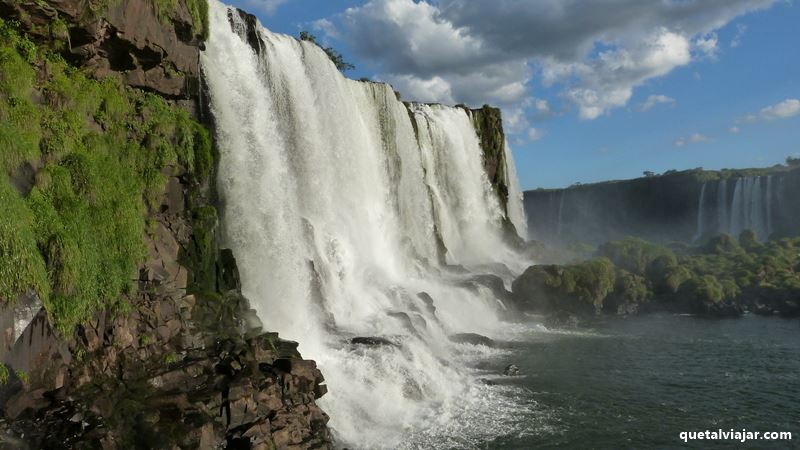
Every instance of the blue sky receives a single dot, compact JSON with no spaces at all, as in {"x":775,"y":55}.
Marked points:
{"x":587,"y":95}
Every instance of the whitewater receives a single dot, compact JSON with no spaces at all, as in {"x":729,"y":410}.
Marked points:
{"x":348,"y":212}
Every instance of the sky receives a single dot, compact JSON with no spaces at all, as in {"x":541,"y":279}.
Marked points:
{"x":590,"y":90}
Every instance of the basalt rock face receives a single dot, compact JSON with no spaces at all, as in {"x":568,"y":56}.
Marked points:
{"x":152,"y":49}
{"x":488,"y":124}
{"x":186,"y":363}
{"x":188,"y":373}
{"x":177,"y":371}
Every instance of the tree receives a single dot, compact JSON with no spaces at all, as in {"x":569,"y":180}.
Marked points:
{"x":336,"y":57}
{"x":792,"y":162}
{"x":648,"y":173}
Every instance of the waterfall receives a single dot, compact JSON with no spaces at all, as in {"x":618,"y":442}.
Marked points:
{"x":722,"y":206}
{"x":336,"y":206}
{"x":516,"y":210}
{"x":560,"y":209}
{"x":737,"y":210}
{"x":751,"y":207}
{"x":700,"y":202}
{"x":768,"y":199}
{"x":757,"y":222}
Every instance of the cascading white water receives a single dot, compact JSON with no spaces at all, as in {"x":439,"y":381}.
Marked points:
{"x":751,"y":208}
{"x":737,"y":213}
{"x":332,"y":205}
{"x":768,"y":200}
{"x":560,"y":209}
{"x":722,"y":207}
{"x":516,"y":210}
{"x":700,"y":214}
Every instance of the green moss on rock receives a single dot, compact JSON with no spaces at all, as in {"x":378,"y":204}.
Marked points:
{"x":101,"y":152}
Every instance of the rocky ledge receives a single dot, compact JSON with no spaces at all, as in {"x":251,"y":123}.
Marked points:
{"x":190,"y":372}
{"x":152,"y":45}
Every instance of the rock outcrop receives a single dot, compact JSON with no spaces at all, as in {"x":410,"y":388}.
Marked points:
{"x":150,"y":46}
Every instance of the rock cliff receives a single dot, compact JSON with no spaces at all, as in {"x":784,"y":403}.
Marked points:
{"x":108,"y":174}
{"x":666,"y":208}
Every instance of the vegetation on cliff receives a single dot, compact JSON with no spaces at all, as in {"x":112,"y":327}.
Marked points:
{"x":725,"y":276}
{"x":335,"y":57}
{"x":85,"y":160}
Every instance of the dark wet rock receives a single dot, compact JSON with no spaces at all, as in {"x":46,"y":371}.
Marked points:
{"x":511,"y":370}
{"x":495,"y":284}
{"x":227,"y":271}
{"x":141,"y":382}
{"x":372,"y":341}
{"x":472,"y":338}
{"x":428,"y":301}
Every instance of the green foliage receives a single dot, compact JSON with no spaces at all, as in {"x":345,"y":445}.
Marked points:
{"x":701,"y":291}
{"x":101,"y":151}
{"x":21,"y":265}
{"x":22,"y":376}
{"x":631,"y":288}
{"x":635,"y":255}
{"x":4,"y":374}
{"x":336,"y":57}
{"x":198,"y":9}
{"x":716,"y":278}
{"x":201,"y":254}
{"x":170,"y":358}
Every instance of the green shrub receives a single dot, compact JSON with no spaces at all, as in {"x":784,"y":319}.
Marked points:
{"x":101,"y":151}
{"x":635,"y":255}
{"x":4,"y":374}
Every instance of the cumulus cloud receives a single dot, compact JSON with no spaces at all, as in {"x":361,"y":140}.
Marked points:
{"x":654,"y":100}
{"x":783,"y":110}
{"x":695,"y":138}
{"x":594,"y":53}
{"x":534,"y":134}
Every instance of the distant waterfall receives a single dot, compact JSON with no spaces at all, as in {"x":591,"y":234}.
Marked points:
{"x":768,"y":199}
{"x":722,"y":206}
{"x":338,"y":199}
{"x":751,"y":207}
{"x":700,"y":214}
{"x":560,"y":211}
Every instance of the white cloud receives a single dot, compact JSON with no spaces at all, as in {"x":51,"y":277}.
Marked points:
{"x":327,"y":27}
{"x":534,"y":134}
{"x":494,"y":52}
{"x":706,"y":45}
{"x":654,"y":100}
{"x":695,"y":138}
{"x":735,"y":130}
{"x":783,"y":110}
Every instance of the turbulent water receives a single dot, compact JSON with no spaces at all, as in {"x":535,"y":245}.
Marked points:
{"x":337,"y":206}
